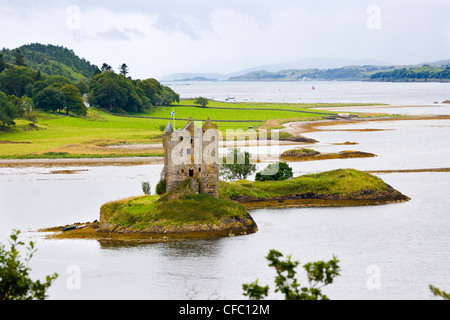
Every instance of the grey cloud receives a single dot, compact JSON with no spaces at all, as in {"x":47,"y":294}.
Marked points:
{"x":116,"y":34}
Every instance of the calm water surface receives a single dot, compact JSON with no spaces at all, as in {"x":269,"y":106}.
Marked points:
{"x":325,"y":92}
{"x":408,"y":243}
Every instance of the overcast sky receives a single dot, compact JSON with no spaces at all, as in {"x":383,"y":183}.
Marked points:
{"x":161,"y":37}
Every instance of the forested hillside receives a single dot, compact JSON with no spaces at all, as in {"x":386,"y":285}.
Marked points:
{"x":52,"y":78}
{"x":418,"y":74}
{"x":51,"y":60}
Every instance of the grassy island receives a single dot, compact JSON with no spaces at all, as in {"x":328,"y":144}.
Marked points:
{"x":343,"y":187}
{"x":154,"y":218}
{"x":311,"y":155}
{"x":147,"y":212}
{"x":180,"y":216}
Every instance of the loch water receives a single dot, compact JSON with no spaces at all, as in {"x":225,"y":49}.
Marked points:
{"x":386,"y":252}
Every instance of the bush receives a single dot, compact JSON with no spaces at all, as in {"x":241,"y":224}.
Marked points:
{"x":161,"y":187}
{"x":15,"y":283}
{"x":146,"y":188}
{"x":319,"y":275}
{"x":275,"y":172}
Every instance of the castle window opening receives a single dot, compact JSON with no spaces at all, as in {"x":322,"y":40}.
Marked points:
{"x":191,"y":172}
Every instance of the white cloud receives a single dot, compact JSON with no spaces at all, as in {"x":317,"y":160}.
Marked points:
{"x":156,"y":38}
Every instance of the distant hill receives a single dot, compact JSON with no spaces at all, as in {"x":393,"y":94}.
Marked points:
{"x":423,"y":73}
{"x":328,"y":69}
{"x":53,"y":60}
{"x":437,"y":71}
{"x":350,"y":73}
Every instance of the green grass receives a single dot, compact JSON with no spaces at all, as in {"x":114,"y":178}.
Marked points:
{"x":233,"y":111}
{"x":79,"y":137}
{"x":342,"y":182}
{"x":144,"y":212}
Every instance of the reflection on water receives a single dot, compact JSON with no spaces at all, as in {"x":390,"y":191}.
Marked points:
{"x":408,"y":242}
{"x":171,"y":249}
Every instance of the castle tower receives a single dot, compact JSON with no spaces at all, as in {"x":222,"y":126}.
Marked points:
{"x":192,"y":152}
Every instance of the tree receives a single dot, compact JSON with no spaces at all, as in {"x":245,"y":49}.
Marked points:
{"x":319,"y":274}
{"x":82,"y":86}
{"x":168,"y":96}
{"x":73,"y":101}
{"x":116,"y":93}
{"x":20,"y":58}
{"x":49,"y":99}
{"x":236,"y":165}
{"x":202,"y":101}
{"x":108,"y":92}
{"x":15,"y":80}
{"x":2,"y":63}
{"x":15,"y":282}
{"x":123,"y":69}
{"x":275,"y":172}
{"x":146,"y":188}
{"x":8,"y":111}
{"x":106,"y":67}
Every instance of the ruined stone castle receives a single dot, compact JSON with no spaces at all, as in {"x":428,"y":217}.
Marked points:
{"x":192,"y":152}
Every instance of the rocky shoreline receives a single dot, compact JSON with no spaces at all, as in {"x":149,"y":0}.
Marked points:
{"x":106,"y":231}
{"x":311,"y":155}
{"x":390,"y":196}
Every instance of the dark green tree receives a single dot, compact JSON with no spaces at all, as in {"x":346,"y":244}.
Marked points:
{"x":275,"y":172}
{"x":202,"y":101}
{"x":20,"y":58}
{"x":237,"y":165}
{"x":82,"y":86}
{"x":106,"y":67}
{"x":15,"y":80}
{"x":2,"y":63}
{"x":168,"y":96}
{"x":123,"y":69}
{"x":49,"y":99}
{"x":108,"y":92}
{"x":73,"y":101}
{"x":151,"y":89}
{"x":117,"y":93}
{"x":319,"y":274}
{"x":8,"y":111}
{"x":15,"y":281}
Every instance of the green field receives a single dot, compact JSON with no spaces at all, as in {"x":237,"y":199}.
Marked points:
{"x":62,"y":136}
